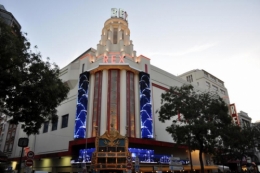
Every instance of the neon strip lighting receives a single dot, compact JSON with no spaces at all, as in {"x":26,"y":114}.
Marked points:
{"x":82,"y":106}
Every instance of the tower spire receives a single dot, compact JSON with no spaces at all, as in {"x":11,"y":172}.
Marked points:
{"x":115,"y":36}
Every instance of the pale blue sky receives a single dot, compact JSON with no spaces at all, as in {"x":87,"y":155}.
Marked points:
{"x":221,"y":36}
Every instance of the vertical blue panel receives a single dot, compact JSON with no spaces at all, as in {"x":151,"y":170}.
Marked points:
{"x":146,"y":118}
{"x":82,"y":106}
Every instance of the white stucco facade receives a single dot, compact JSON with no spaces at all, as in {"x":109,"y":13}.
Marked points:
{"x":114,"y":55}
{"x":206,"y":81}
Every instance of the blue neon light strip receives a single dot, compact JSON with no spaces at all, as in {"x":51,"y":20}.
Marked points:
{"x":148,"y":156}
{"x":144,"y":155}
{"x":85,"y":155}
{"x":146,"y":118}
{"x":82,"y":106}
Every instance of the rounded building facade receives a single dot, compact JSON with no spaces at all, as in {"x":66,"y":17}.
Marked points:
{"x":115,"y":86}
{"x":111,"y":90}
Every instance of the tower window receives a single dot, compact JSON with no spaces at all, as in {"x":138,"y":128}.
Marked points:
{"x":115,"y":36}
{"x":64,"y":121}
{"x":189,"y":78}
{"x":214,"y":88}
{"x":45,"y":127}
{"x":208,"y":85}
{"x":83,"y":65}
{"x":54,"y":126}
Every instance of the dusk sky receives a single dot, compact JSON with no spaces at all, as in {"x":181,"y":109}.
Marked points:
{"x":221,"y":36}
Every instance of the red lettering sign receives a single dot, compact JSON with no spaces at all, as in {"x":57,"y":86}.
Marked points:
{"x":113,"y":59}
{"x":105,"y":59}
{"x":121,"y":60}
{"x":233,"y":113}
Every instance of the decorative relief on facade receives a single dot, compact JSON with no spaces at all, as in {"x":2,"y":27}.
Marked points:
{"x":130,"y":102}
{"x":114,"y":98}
{"x":111,"y":151}
{"x":111,"y":138}
{"x":97,"y":101}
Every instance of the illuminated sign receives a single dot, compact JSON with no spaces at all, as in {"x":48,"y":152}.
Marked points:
{"x":113,"y":59}
{"x":113,"y":12}
{"x":144,"y":156}
{"x":121,"y":13}
{"x":233,"y":113}
{"x":175,"y":161}
{"x":85,"y":155}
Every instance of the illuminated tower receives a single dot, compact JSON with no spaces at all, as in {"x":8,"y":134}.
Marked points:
{"x":115,"y":36}
{"x":117,"y":87}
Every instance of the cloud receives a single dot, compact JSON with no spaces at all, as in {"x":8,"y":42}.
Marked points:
{"x":200,"y":48}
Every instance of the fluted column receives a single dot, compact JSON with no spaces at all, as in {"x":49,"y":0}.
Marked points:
{"x":123,"y":118}
{"x":137,"y":106}
{"x":103,"y":119}
{"x":90,"y":106}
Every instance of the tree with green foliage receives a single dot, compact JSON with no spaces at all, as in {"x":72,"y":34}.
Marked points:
{"x":239,"y":142}
{"x":222,"y":152}
{"x":204,"y":118}
{"x":30,"y":88}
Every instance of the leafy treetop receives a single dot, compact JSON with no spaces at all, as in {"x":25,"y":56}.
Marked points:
{"x":204,"y":119}
{"x":30,"y":89}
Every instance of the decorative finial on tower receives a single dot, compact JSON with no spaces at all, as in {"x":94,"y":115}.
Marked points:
{"x":112,"y":127}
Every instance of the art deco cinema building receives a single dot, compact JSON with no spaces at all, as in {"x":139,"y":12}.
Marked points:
{"x":111,"y":90}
